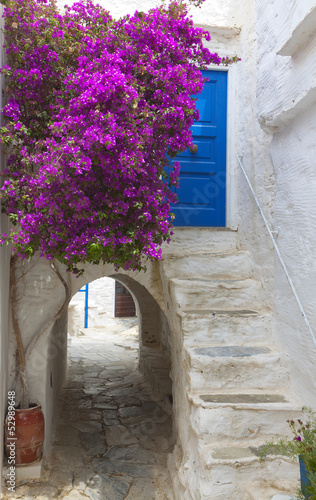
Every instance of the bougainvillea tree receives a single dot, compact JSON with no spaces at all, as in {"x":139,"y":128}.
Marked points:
{"x":94,"y":107}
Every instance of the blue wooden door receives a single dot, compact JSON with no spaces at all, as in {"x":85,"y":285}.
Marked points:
{"x":202,"y":187}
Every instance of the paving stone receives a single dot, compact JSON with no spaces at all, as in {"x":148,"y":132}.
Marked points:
{"x":109,"y":413}
{"x":88,"y":426}
{"x":38,"y":491}
{"x":82,"y":476}
{"x":111,"y":421}
{"x":128,"y":390}
{"x":155,"y":443}
{"x":92,"y":414}
{"x":62,"y":478}
{"x":91,"y":375}
{"x":93,"y":390}
{"x":70,"y":456}
{"x":88,"y":381}
{"x":122,"y":468}
{"x":130,"y":411}
{"x":106,"y":406}
{"x":88,"y":367}
{"x":84,"y":403}
{"x":135,"y":454}
{"x":142,"y":489}
{"x":123,"y":401}
{"x":105,"y":487}
{"x":119,"y":435}
{"x":94,"y":444}
{"x":102,"y":398}
{"x":143,"y":418}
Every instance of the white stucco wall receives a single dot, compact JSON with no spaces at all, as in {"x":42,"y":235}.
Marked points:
{"x":101,"y":305}
{"x":287,"y":111}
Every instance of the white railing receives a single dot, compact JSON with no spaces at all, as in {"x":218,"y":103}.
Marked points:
{"x":299,"y":303}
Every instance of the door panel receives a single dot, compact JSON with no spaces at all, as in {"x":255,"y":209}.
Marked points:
{"x":124,"y":302}
{"x":202,"y":187}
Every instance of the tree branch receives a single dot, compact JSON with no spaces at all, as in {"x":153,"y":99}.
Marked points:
{"x":16,"y":328}
{"x":55,"y":317}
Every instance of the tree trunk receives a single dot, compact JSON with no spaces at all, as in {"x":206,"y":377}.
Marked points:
{"x":22,"y":363}
{"x":24,"y":354}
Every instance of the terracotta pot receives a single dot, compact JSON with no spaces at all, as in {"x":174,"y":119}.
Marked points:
{"x":29,"y":434}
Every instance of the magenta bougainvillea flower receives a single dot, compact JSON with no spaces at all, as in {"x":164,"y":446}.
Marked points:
{"x":93,"y":107}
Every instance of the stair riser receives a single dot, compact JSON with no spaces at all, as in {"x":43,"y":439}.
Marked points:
{"x":257,"y":481}
{"x":234,"y":373}
{"x":193,"y":240}
{"x":236,"y":295}
{"x":248,"y":426}
{"x":226,"y":329}
{"x":238,"y":265}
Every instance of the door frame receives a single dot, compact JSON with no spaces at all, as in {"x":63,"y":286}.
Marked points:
{"x":231,"y":195}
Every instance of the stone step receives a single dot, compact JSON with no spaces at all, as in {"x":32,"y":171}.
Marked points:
{"x":253,"y":417}
{"x":224,"y":265}
{"x":235,"y":472}
{"x":232,"y":367}
{"x":214,"y":293}
{"x":226,"y":327}
{"x":194,"y":240}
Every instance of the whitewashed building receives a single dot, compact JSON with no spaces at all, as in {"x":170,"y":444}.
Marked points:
{"x":219,"y":308}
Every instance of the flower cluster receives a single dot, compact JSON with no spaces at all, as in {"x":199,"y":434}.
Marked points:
{"x":94,"y":108}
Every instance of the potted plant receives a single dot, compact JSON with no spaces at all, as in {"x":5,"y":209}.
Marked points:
{"x":300,"y":446}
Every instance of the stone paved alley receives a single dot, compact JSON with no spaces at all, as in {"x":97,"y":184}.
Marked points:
{"x":112,"y":436}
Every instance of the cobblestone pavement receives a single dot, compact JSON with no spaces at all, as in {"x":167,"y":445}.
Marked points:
{"x":112,"y":436}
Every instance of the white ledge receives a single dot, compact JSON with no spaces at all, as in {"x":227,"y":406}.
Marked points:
{"x":300,"y":36}
{"x":305,"y":101}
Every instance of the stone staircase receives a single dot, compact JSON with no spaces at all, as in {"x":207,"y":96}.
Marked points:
{"x":235,"y":390}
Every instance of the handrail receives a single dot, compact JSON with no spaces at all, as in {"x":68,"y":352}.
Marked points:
{"x":278,"y":252}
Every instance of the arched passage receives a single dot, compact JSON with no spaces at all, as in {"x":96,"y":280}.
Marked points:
{"x":154,"y":335}
{"x":42,"y":295}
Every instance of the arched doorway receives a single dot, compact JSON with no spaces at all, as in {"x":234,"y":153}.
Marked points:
{"x":153,"y":328}
{"x":47,"y":361}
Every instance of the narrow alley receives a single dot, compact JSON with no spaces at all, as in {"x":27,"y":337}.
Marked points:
{"x":112,"y":435}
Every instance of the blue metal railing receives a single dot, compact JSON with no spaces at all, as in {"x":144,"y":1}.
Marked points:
{"x":85,"y":290}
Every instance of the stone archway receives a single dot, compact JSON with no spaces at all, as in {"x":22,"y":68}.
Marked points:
{"x":154,"y":334}
{"x":41,"y":295}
